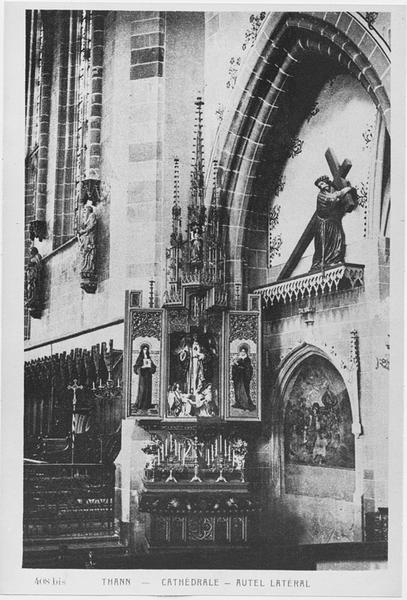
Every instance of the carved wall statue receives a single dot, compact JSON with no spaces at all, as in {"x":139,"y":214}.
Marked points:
{"x":318,"y":419}
{"x":33,"y":284}
{"x":334,"y":199}
{"x":87,"y":237}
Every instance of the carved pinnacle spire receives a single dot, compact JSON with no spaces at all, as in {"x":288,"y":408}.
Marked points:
{"x":197,"y":174}
{"x":176,"y":208}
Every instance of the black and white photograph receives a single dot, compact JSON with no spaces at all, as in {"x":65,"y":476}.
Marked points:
{"x":211,"y":372}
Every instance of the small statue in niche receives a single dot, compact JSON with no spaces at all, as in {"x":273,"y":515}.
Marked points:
{"x":33,"y":281}
{"x":329,"y":237}
{"x":87,"y":244}
{"x":196,"y":246}
{"x":242,"y":373}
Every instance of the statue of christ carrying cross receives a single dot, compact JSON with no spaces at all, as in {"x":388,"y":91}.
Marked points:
{"x":335,"y":198}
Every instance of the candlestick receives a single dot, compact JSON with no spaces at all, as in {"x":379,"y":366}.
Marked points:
{"x":221,"y":478}
{"x":171,"y":477}
{"x":118,"y":383}
{"x":93,"y":387}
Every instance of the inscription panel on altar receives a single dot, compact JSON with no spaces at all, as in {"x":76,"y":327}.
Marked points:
{"x":243,"y":364}
{"x":143,"y":361}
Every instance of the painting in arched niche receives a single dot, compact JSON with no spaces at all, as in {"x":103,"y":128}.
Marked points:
{"x":318,"y":419}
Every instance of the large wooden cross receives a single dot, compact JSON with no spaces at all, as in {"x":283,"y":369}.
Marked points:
{"x":339,"y":172}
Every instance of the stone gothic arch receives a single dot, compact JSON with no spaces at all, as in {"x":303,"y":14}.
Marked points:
{"x":284,"y":374}
{"x":275,"y":497}
{"x":284,"y":40}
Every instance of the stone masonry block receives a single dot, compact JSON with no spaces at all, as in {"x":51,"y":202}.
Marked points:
{"x":147,"y":55}
{"x":356,"y":32}
{"x":143,"y":71}
{"x":148,"y":26}
{"x":379,"y":61}
{"x":367,"y":45}
{"x":344,"y":21}
{"x":147,"y":40}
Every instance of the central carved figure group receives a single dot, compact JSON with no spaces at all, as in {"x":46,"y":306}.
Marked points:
{"x":193,"y":388}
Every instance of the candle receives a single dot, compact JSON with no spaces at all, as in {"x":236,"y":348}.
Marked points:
{"x":158,"y":456}
{"x":118,"y":382}
{"x":229,"y":450}
{"x":93,"y":386}
{"x":220,"y":444}
{"x":165,"y":447}
{"x":216,"y":447}
{"x":170,"y":442}
{"x":100,"y":382}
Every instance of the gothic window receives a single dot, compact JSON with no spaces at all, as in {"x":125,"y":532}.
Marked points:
{"x":33,"y":80}
{"x":35,"y":34}
{"x":74,"y":83}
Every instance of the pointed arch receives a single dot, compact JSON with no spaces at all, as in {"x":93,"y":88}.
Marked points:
{"x":287,"y":369}
{"x":283,"y":41}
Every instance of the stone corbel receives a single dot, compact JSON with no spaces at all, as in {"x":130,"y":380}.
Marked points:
{"x":38,"y":229}
{"x":90,"y":191}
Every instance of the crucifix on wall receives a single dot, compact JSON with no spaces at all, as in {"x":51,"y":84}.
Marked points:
{"x":335,"y":198}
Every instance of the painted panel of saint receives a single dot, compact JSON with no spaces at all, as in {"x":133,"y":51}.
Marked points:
{"x":242,"y":375}
{"x":145,"y":376}
{"x":243,"y":379}
{"x":194,"y":375}
{"x":318,"y":419}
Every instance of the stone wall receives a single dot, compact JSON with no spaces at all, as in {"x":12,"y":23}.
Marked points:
{"x":152,"y":74}
{"x":335,"y":317}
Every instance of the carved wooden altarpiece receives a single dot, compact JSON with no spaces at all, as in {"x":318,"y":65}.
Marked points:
{"x":193,"y":374}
